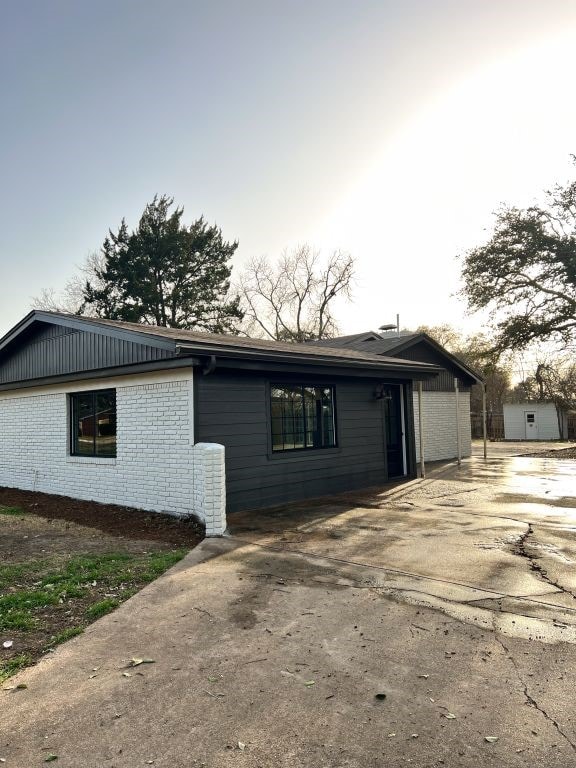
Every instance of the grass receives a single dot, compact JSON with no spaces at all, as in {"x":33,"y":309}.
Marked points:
{"x":66,"y":634}
{"x":97,"y":610}
{"x":46,"y":601}
{"x":13,"y":665}
{"x":13,"y":511}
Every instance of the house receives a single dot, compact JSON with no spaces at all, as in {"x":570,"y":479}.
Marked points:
{"x":442,"y":406}
{"x":191,"y":423}
{"x":535,"y":421}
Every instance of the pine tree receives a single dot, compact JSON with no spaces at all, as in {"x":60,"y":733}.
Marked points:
{"x":166,"y":273}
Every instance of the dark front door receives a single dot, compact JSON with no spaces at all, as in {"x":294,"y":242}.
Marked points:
{"x":394,"y":426}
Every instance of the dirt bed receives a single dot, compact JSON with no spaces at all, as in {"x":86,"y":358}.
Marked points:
{"x":562,"y":453}
{"x":64,"y":563}
{"x":112,"y":520}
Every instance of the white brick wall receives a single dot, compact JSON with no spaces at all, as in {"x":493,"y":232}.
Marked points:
{"x":157,"y":467}
{"x":439,"y":425}
{"x":210,"y":486}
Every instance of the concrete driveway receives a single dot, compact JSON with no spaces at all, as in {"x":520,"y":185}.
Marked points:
{"x":391,"y":628}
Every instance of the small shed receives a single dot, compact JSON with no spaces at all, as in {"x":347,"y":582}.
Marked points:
{"x":534,"y":421}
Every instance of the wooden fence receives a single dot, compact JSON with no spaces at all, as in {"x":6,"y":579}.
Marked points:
{"x":494,"y":426}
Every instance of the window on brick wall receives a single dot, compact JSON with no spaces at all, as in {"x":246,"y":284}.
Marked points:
{"x":302,"y":417}
{"x":93,"y":423}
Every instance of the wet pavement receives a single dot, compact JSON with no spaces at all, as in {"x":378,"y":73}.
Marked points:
{"x":502,"y":448}
{"x":492,"y":543}
{"x":429,"y":625}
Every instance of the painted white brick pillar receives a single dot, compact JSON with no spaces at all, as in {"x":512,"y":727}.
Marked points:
{"x":210,"y":483}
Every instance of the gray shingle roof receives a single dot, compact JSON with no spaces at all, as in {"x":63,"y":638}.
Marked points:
{"x":369,"y":341}
{"x":209,"y":343}
{"x":374,"y":343}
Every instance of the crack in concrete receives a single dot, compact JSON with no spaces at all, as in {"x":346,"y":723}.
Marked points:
{"x":519,"y":549}
{"x":530,"y":700}
{"x":454,"y":493}
{"x":402,"y":573}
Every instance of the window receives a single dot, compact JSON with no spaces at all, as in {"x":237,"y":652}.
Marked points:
{"x":93,"y":423}
{"x":302,"y":417}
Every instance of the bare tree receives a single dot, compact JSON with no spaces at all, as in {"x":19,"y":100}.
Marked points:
{"x":70,"y":299}
{"x":293,"y":299}
{"x":446,"y":335}
{"x":475,"y":351}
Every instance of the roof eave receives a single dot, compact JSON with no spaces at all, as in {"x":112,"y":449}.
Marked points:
{"x":411,"y":369}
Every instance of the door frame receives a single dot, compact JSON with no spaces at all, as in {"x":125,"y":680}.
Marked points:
{"x":536,"y":427}
{"x":402,"y":414}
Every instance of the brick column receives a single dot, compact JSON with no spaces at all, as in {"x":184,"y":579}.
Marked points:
{"x":210,"y":484}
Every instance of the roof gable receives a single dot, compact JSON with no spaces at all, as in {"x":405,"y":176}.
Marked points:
{"x":418,"y":347}
{"x":43,"y":346}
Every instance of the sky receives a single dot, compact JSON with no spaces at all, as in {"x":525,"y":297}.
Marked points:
{"x":391,"y":130}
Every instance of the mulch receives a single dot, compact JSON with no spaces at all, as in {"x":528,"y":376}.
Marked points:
{"x":115,"y":520}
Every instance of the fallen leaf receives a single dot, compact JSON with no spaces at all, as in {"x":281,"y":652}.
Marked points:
{"x":241,"y":746}
{"x":450,"y":716}
{"x":50,"y":758}
{"x":7,"y":644}
{"x":491,"y":739}
{"x":424,"y":677}
{"x":21,"y":687}
{"x":310,"y":683}
{"x":390,"y":735}
{"x":136,"y":662}
{"x":91,"y":677}
{"x":126,"y":674}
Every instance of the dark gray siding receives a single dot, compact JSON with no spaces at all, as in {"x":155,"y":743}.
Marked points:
{"x":53,"y":350}
{"x":444,"y":382}
{"x":233,"y":409}
{"x":409,"y":430}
